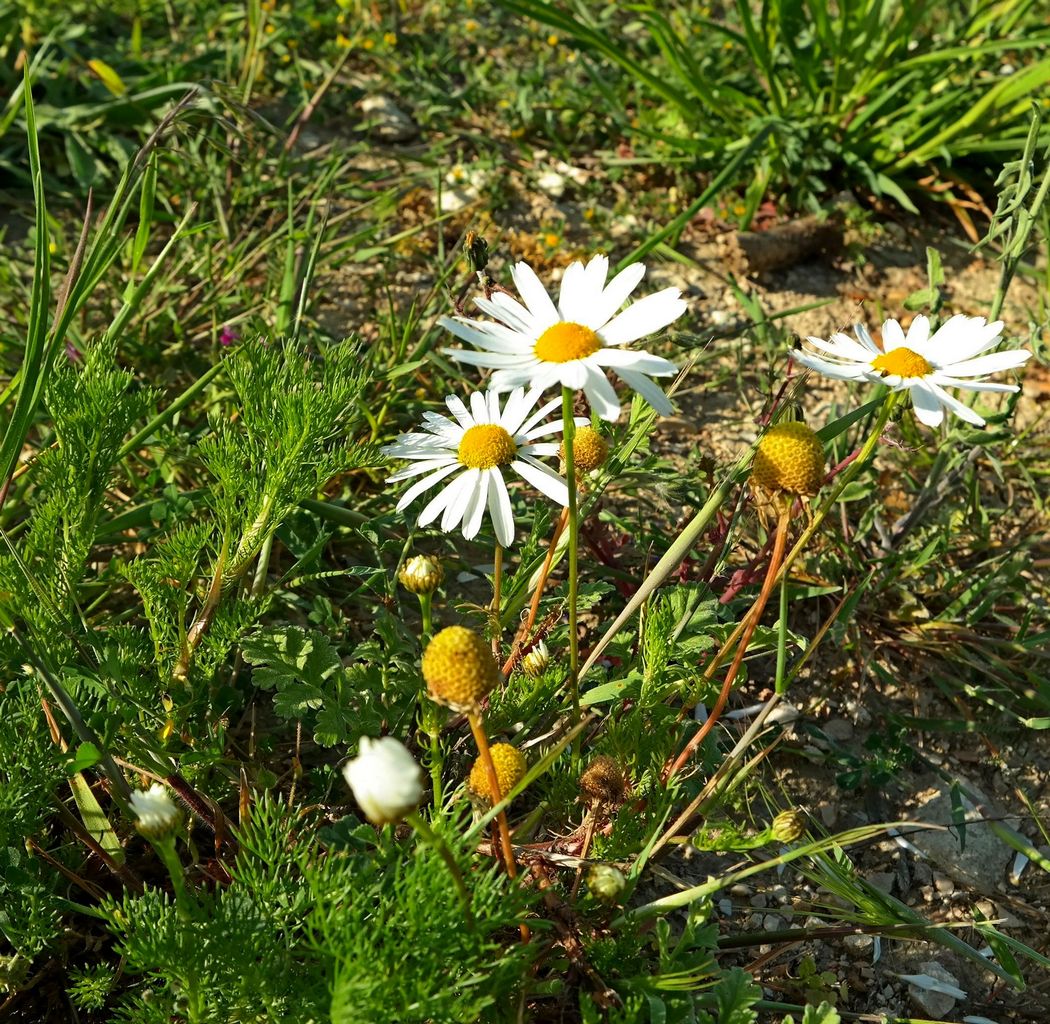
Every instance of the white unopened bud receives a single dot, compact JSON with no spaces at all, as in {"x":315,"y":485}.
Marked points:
{"x":421,"y":574}
{"x":158,"y":816}
{"x":536,"y":661}
{"x":385,"y":780}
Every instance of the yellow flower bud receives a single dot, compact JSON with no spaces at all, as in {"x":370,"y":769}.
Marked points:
{"x":589,"y":449}
{"x":789,"y":458}
{"x":459,"y":669}
{"x":510,"y":766}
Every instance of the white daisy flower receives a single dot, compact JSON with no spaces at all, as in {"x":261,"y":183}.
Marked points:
{"x":480,"y":442}
{"x":541,"y":344}
{"x":923,"y":364}
{"x":385,"y":780}
{"x":156,"y":813}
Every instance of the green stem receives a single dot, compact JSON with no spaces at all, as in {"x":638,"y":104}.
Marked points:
{"x":438,"y":844}
{"x":780,"y":685}
{"x":185,"y":902}
{"x":425,"y":603}
{"x":843,"y":482}
{"x":568,"y":434}
{"x":437,"y":764}
{"x":497,"y":587}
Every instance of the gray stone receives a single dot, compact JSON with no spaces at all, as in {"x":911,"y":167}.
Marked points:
{"x":943,"y":884}
{"x":772,"y":923}
{"x":759,"y":901}
{"x":386,"y":120}
{"x":936,"y":1005}
{"x":859,"y":947}
{"x":838,"y":729}
{"x":983,"y":863}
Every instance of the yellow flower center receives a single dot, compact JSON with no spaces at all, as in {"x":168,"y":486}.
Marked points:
{"x":566,"y":341}
{"x":485,"y":446}
{"x":902,"y":362}
{"x":790,"y":458}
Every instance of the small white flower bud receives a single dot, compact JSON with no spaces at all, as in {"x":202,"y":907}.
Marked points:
{"x":158,"y":815}
{"x":536,"y":661}
{"x":385,"y":780}
{"x":421,"y":574}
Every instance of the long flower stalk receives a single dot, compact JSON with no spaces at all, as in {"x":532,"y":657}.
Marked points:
{"x":568,"y":433}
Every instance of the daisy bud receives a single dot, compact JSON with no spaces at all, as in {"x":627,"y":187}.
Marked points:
{"x":459,"y":669}
{"x":604,"y":783}
{"x":158,"y":816}
{"x":790,"y":458}
{"x":421,"y":574}
{"x":589,"y":449}
{"x":510,"y":766}
{"x":606,"y":882}
{"x":385,"y":780}
{"x":536,"y":661}
{"x":788,"y":826}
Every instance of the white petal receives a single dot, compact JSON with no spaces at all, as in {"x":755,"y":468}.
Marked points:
{"x":495,"y":414}
{"x":837,"y":371}
{"x":499,"y":509}
{"x":573,"y":374}
{"x":615,"y":295}
{"x":574,"y":298}
{"x":546,"y":429}
{"x":972,"y":385}
{"x":643,"y":362}
{"x":597,"y":272}
{"x":487,"y":360}
{"x":892,"y":336}
{"x":844,"y":347}
{"x":459,"y":502}
{"x":421,"y":467}
{"x":513,"y":377}
{"x":531,"y":289}
{"x":993,"y":363}
{"x":479,"y":408}
{"x":928,"y":409}
{"x":459,"y":410}
{"x":964,"y":412}
{"x":646,"y":316}
{"x":600,"y":393}
{"x":437,"y":504}
{"x":476,"y":507}
{"x":514,"y":411}
{"x":486,"y":336}
{"x":648,"y":390}
{"x":539,"y":415}
{"x":543,"y":478}
{"x":504,"y":307}
{"x":865,"y":338}
{"x":962,"y":337}
{"x":424,"y":485}
{"x":546,"y":375}
{"x":919,"y":334}
{"x":544,"y":448}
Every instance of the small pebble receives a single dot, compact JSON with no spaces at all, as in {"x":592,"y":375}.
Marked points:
{"x":759,"y":901}
{"x":838,"y":729}
{"x":858,"y":946}
{"x":944,"y":885}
